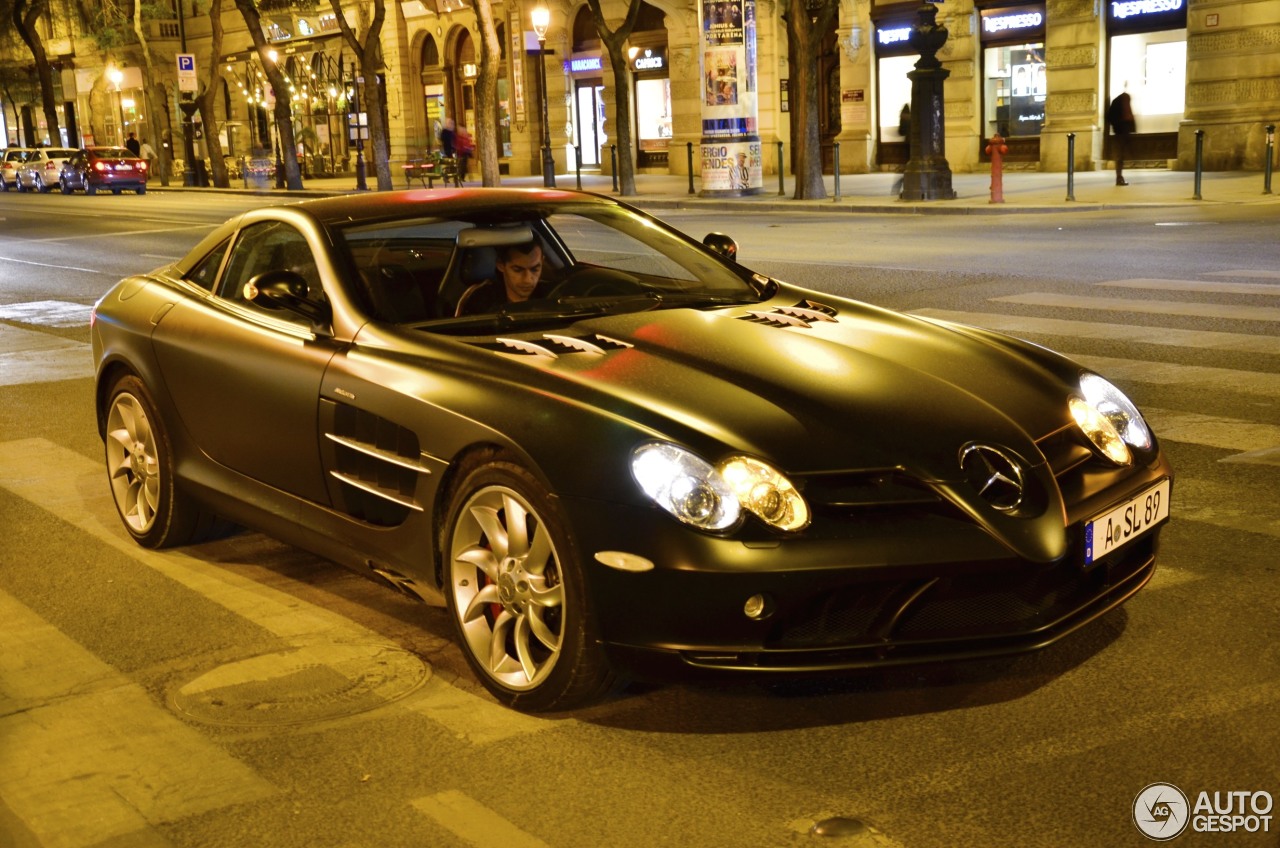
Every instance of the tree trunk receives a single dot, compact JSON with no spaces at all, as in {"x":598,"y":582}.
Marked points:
{"x":486,"y":128}
{"x":283,"y":114}
{"x":368,"y":53}
{"x":26,"y":18}
{"x":615,"y":43}
{"x":806,"y":27}
{"x":151,"y":87}
{"x":207,"y":100}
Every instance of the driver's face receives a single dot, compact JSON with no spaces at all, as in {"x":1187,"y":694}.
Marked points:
{"x":520,"y":273}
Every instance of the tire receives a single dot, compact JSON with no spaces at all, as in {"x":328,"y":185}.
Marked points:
{"x":142,"y":189}
{"x":41,"y":187}
{"x":90,"y":188}
{"x":65,"y":186}
{"x":21,"y":188}
{"x":115,"y":191}
{"x":140,"y":472}
{"x":516,"y":592}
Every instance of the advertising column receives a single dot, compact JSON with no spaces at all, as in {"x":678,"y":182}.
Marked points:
{"x":731,"y":156}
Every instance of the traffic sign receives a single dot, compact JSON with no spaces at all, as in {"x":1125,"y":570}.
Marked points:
{"x":187,"y":72}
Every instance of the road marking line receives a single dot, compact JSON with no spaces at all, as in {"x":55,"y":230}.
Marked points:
{"x":473,"y":822}
{"x":90,"y":237}
{"x":1148,"y":307}
{"x":1246,"y":273}
{"x":69,"y":719}
{"x":475,"y":719}
{"x":75,"y":488}
{"x":1215,"y":431}
{"x":48,"y":313}
{"x":1172,"y":374}
{"x":1196,"y":286}
{"x":1022,"y":325}
{"x":51,"y":265}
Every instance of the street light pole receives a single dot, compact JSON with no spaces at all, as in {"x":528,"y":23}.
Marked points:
{"x":541,"y":16}
{"x":361,"y":179}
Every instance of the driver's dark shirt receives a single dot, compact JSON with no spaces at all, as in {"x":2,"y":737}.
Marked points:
{"x":490,"y":296}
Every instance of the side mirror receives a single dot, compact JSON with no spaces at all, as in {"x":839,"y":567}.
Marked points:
{"x":721,"y":244}
{"x":286,"y":290}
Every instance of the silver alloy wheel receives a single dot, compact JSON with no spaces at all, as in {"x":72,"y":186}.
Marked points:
{"x":507,"y":589}
{"x":132,"y":463}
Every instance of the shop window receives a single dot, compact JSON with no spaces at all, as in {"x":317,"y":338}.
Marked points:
{"x":1016,"y":90}
{"x":1152,"y":66}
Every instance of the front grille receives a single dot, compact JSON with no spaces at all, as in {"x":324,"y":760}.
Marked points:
{"x":1015,"y":600}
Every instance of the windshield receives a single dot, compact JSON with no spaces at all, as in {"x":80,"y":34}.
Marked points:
{"x":531,"y":264}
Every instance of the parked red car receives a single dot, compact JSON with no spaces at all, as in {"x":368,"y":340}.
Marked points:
{"x":114,"y":168}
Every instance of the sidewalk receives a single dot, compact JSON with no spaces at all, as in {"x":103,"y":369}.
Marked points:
{"x":1024,"y":192}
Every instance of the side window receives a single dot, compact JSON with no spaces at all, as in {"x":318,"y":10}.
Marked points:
{"x":205,"y":274}
{"x":269,"y":246}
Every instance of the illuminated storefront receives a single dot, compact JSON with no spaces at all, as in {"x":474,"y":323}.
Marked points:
{"x":1147,"y":56}
{"x":1014,"y":80}
{"x":894,"y":58}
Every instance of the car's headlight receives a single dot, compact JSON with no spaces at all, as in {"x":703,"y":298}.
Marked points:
{"x":713,"y":497}
{"x":1110,"y":420}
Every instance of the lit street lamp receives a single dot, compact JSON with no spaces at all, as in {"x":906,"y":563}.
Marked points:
{"x":541,"y":16}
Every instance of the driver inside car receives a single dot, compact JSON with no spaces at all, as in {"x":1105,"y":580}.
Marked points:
{"x":519,"y":272}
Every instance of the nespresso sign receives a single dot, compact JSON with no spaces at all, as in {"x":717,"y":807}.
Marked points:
{"x":1021,"y":21}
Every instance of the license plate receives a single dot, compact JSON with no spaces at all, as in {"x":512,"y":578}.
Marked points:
{"x":124,"y":167}
{"x":1126,"y":522}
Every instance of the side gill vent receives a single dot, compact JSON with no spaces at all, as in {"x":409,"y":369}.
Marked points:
{"x":804,"y":314}
{"x":553,"y":346}
{"x":378,"y":464}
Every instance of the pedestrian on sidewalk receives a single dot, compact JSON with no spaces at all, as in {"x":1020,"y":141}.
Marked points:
{"x":135,"y":147}
{"x":465,"y":147}
{"x":1120,"y":117}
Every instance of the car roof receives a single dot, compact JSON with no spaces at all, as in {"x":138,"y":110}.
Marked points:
{"x":375,"y":206}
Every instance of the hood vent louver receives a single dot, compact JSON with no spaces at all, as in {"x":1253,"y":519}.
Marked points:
{"x":804,"y":314}
{"x":553,"y":346}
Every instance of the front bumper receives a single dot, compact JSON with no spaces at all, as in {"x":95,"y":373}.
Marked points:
{"x":892,"y":588}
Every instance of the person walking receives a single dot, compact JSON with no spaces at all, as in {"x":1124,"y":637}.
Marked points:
{"x":1120,"y":117}
{"x":465,"y":147}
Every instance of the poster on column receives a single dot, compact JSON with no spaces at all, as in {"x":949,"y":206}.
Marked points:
{"x":731,"y":166}
{"x":728,"y":68}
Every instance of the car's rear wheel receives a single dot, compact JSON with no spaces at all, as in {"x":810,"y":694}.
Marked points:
{"x":65,"y":185}
{"x":142,"y":189}
{"x":90,"y":188}
{"x":516,"y":592}
{"x":115,"y":191}
{"x":140,"y":469}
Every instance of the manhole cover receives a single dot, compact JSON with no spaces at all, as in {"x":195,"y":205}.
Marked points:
{"x":302,"y":685}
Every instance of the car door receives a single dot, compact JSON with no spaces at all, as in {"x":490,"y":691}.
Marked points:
{"x":245,"y":379}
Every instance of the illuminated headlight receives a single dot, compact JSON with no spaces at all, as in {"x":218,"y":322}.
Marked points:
{"x":1110,"y":420}
{"x":763,"y":491}
{"x":714,"y":497}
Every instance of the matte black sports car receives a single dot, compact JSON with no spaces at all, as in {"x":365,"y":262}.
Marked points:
{"x":661,"y":462}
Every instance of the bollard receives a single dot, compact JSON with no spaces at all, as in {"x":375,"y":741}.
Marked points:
{"x":781,"y":188}
{"x":836,"y":165}
{"x":690,"y":150}
{"x":996,"y":150}
{"x":1071,"y":166}
{"x":613,"y":160}
{"x":577,"y":163}
{"x":1271,"y":146}
{"x":1199,"y":162}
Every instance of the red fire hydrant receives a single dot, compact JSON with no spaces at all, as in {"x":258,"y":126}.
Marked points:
{"x":996,"y":150}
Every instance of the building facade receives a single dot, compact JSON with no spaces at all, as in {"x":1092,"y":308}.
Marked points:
{"x":1039,"y":73}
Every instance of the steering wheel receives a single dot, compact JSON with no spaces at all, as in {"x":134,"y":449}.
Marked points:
{"x":595,"y":282}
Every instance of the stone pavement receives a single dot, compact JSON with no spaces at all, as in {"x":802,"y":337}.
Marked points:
{"x":1024,"y":192}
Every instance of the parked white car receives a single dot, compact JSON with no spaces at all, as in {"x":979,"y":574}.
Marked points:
{"x":42,"y":168}
{"x":10,"y":159}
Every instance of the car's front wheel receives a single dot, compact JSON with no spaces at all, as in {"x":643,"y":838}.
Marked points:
{"x":65,"y":185}
{"x":516,"y":594}
{"x":140,"y":469}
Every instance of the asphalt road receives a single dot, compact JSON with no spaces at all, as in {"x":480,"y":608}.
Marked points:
{"x":370,"y":730}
